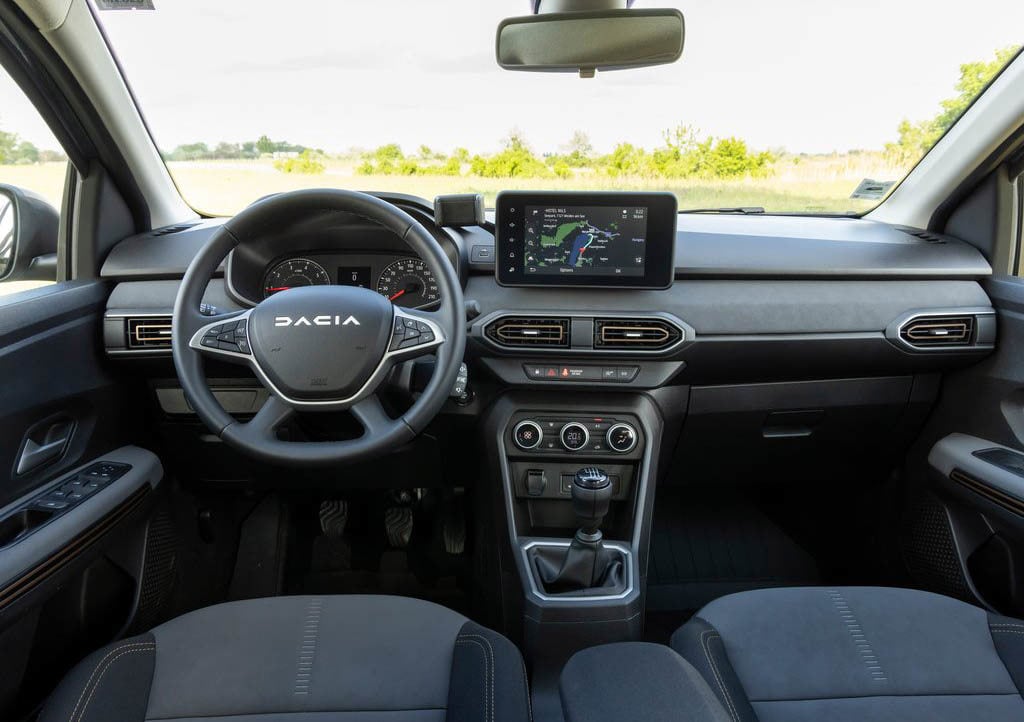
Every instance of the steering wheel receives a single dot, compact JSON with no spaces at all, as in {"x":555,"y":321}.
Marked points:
{"x":318,"y":348}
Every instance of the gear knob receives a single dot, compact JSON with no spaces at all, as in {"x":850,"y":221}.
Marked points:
{"x":591,"y":496}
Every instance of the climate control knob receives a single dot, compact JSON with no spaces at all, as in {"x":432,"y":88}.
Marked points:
{"x":621,"y":438}
{"x":527,"y":435}
{"x":574,"y":436}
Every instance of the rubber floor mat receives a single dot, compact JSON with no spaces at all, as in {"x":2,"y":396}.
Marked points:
{"x":701,"y":551}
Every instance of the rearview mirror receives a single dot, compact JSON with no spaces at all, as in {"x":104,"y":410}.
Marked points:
{"x":28,"y":236}
{"x":590,"y":41}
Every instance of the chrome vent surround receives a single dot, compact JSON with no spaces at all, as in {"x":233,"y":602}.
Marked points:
{"x":529,"y":331}
{"x":148,"y":332}
{"x":938,"y":331}
{"x":635,"y":334}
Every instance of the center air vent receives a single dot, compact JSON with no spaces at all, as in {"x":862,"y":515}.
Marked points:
{"x":148,"y":333}
{"x":635,"y":334}
{"x":529,"y":331}
{"x":938,"y":331}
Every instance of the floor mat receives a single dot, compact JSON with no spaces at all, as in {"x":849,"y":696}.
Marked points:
{"x":703,"y":550}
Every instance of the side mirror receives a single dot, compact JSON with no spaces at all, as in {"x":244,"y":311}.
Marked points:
{"x":585,"y":42}
{"x":29,"y":226}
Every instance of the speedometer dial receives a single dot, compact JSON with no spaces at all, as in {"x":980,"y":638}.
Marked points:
{"x":408,"y":282}
{"x":293,"y":273}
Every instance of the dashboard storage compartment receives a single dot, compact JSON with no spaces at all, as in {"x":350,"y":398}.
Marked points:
{"x":823,"y":431}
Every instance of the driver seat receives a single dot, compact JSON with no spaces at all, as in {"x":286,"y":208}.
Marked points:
{"x":302,"y":659}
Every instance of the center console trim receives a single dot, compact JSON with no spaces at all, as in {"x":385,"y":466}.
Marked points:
{"x":524,"y":551}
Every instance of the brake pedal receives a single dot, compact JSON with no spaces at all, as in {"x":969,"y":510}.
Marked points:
{"x":333,"y":517}
{"x":398,"y":525}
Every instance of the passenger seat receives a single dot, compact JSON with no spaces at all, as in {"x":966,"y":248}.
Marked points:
{"x":856,"y":654}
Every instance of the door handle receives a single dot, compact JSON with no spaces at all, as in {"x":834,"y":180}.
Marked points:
{"x":44,"y":445}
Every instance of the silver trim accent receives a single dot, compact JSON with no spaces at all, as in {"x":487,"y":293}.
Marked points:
{"x":894,"y":333}
{"x":385,"y":365}
{"x":586,"y":435}
{"x":534,"y":424}
{"x":477,"y":329}
{"x":622,"y":425}
{"x":524,"y":550}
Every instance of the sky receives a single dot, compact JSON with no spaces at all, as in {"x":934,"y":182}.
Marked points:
{"x":804,"y":75}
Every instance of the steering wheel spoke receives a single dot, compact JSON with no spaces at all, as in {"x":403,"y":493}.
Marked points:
{"x":370,"y":413}
{"x":274,"y":413}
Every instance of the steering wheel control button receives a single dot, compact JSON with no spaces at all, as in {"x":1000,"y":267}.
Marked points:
{"x":527,"y":435}
{"x":622,"y":438}
{"x":574,"y":436}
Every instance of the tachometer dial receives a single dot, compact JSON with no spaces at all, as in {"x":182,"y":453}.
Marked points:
{"x":293,"y":273}
{"x":408,"y":282}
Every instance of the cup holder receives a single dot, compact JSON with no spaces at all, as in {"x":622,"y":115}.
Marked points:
{"x":20,"y":523}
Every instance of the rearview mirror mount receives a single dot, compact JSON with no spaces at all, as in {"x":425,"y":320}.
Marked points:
{"x":585,"y":42}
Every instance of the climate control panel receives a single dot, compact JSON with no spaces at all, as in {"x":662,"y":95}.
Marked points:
{"x":574,"y":435}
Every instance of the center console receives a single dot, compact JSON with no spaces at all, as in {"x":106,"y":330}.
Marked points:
{"x":577,"y":470}
{"x":576,"y":431}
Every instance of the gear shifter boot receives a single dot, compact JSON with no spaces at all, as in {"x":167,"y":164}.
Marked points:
{"x":584,"y":569}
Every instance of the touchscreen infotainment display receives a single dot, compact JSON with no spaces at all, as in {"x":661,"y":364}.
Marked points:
{"x":585,"y":239}
{"x":590,"y":240}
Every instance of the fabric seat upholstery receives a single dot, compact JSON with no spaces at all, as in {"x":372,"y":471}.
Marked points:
{"x":302,"y":659}
{"x":856,"y":653}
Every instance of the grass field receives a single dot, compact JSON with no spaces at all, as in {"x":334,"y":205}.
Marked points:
{"x":809,"y":184}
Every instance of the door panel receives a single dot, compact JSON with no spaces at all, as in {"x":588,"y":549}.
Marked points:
{"x":60,"y":405}
{"x":970,"y":461}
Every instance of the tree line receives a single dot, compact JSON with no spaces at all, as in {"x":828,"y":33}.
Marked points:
{"x":15,"y":151}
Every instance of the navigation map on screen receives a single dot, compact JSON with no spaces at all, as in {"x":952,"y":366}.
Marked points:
{"x":589,"y":240}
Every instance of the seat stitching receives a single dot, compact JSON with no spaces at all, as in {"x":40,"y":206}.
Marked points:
{"x":307,"y":649}
{"x":96,"y":669}
{"x":704,"y":636}
{"x":487,"y":676}
{"x":526,"y":686}
{"x":490,"y":666}
{"x":1009,"y":631}
{"x":857,"y":636}
{"x":143,"y":648}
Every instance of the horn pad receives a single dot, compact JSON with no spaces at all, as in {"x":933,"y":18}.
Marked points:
{"x":320,"y":343}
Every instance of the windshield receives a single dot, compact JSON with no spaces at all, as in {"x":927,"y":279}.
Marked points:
{"x":798,"y":106}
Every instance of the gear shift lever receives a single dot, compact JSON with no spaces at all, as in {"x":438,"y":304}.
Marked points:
{"x":586,"y":564}
{"x":591,"y":496}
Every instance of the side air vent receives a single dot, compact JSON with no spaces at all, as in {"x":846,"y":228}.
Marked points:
{"x":938,"y":331}
{"x":148,"y":333}
{"x":529,"y":332}
{"x":635,"y":334}
{"x":168,"y":230}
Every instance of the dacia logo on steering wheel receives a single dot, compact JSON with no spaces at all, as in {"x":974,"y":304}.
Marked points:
{"x":317,"y":321}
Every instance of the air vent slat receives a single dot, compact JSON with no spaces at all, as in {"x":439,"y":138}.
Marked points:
{"x":529,"y":332}
{"x":148,"y":333}
{"x":635,"y":334}
{"x":938,"y":331}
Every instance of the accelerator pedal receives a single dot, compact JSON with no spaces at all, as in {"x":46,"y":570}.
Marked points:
{"x":455,"y":532}
{"x":333,"y":517}
{"x":398,"y":525}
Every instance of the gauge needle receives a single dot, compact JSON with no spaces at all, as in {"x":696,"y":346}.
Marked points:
{"x":279,"y":288}
{"x":397,"y":295}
